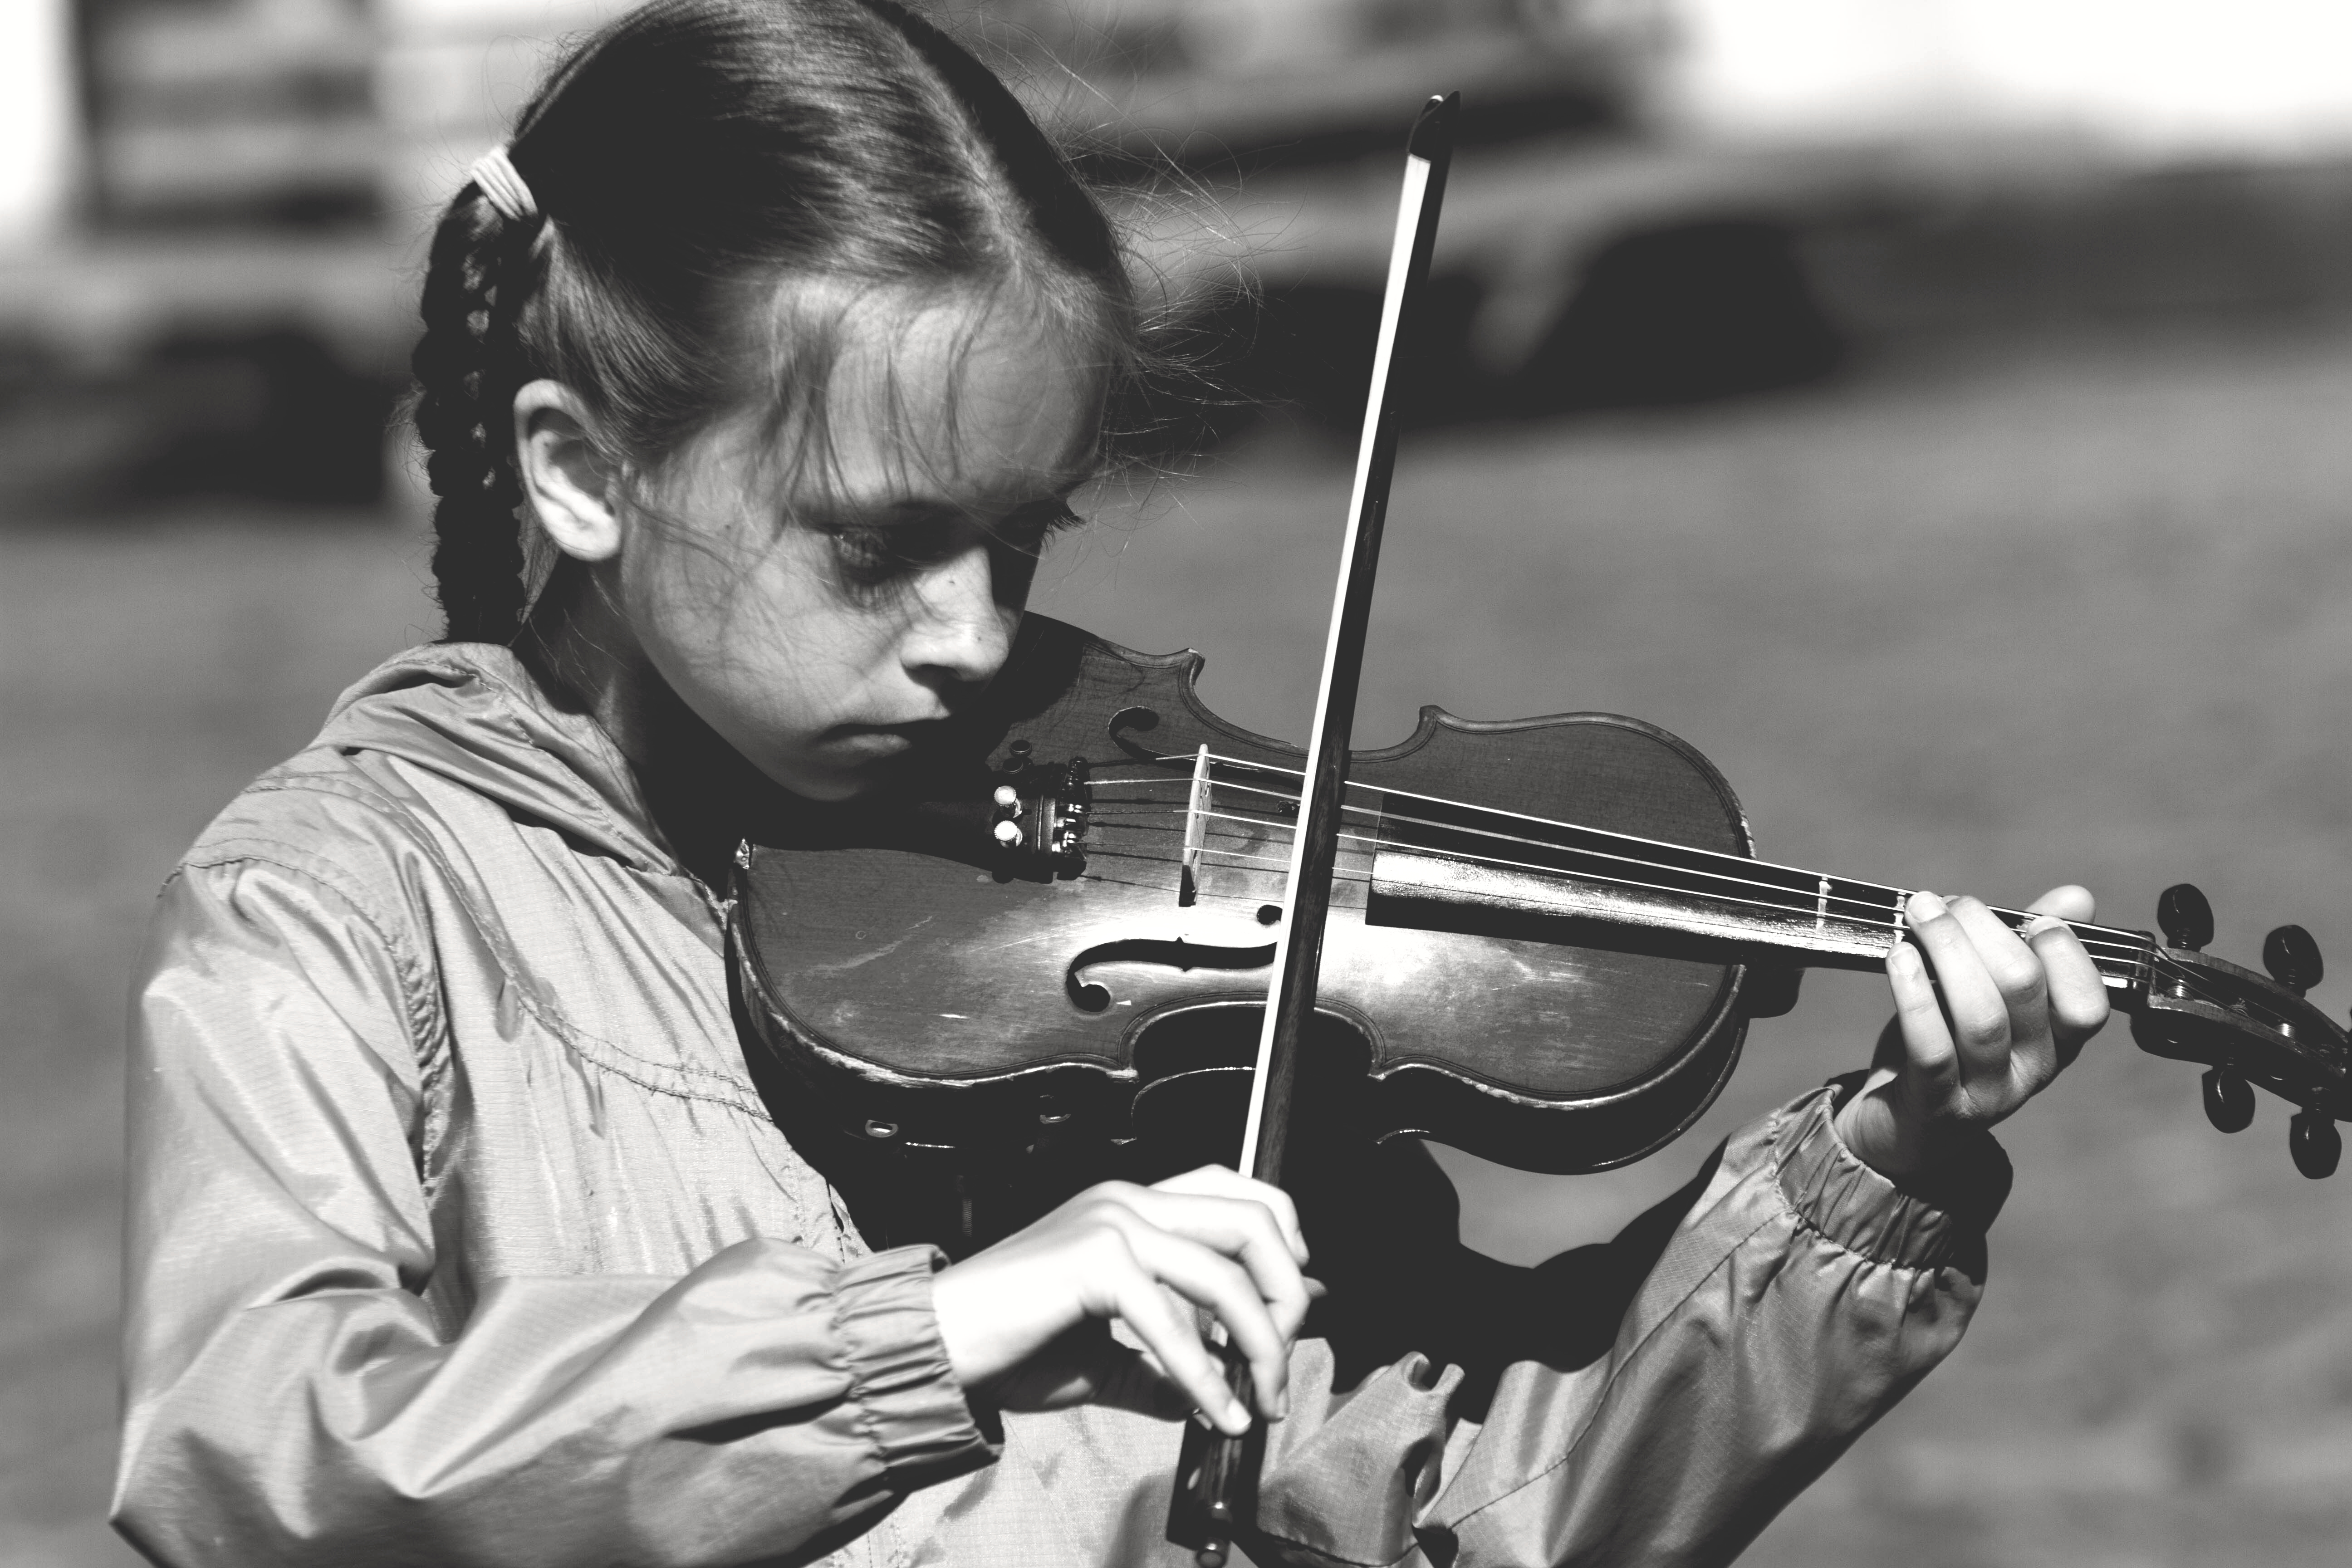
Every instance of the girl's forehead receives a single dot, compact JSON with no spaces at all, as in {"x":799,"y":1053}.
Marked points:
{"x":974,"y":400}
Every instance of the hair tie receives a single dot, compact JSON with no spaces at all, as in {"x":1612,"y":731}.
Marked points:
{"x":502,"y":186}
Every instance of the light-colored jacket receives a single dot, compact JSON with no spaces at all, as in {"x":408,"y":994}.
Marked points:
{"x":460,"y":1236}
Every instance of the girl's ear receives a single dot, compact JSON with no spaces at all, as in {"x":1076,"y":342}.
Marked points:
{"x":567,"y":479}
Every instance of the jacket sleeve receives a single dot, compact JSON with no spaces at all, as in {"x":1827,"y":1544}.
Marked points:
{"x":291,"y":1397}
{"x":1653,"y":1402}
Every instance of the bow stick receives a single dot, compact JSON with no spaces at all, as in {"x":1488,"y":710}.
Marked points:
{"x":1211,"y":1473}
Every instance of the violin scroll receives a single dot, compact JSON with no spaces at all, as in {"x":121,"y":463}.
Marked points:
{"x":2249,"y":1029}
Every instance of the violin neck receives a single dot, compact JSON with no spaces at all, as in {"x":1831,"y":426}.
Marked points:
{"x":1558,"y":878}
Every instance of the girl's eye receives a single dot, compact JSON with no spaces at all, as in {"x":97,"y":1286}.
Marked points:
{"x":865,"y":554}
{"x":872,"y":554}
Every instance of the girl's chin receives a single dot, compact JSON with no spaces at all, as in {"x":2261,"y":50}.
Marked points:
{"x":840,"y":768}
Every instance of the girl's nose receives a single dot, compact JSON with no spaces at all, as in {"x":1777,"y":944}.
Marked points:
{"x":961,"y":633}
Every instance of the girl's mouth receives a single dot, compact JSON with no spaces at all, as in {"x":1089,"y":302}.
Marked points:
{"x":870,"y":740}
{"x":873,"y":743}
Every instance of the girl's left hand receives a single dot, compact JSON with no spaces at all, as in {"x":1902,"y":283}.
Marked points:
{"x":2014,"y":1009}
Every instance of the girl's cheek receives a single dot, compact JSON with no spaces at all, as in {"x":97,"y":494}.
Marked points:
{"x":711,"y":599}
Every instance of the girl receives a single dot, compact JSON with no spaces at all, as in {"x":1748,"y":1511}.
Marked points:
{"x":757,"y":369}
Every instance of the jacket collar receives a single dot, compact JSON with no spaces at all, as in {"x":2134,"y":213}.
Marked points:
{"x":473,"y":713}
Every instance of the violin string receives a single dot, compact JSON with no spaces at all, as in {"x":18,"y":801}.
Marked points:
{"x":2124,"y":950}
{"x":2135,"y":951}
{"x":2182,"y":978}
{"x":2123,"y":966}
{"x":2130,"y":945}
{"x":1445,"y":802}
{"x":1875,"y":917}
{"x":2129,"y":952}
{"x":2129,"y":957}
{"x":2187,"y":983}
{"x":2122,"y":953}
{"x":2140,"y":952}
{"x":1292,"y":799}
{"x":2158,"y":966}
{"x":2112,"y":935}
{"x":2180,"y":975}
{"x":1804,"y":900}
{"x":1624,"y":883}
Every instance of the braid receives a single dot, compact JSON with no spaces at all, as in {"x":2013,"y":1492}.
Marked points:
{"x":465,"y":368}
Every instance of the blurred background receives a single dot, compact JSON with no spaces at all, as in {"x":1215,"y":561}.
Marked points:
{"x":1935,"y":410}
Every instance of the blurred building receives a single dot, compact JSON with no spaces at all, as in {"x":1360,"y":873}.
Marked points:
{"x":2151,"y":79}
{"x":39,"y":120}
{"x":212,"y":211}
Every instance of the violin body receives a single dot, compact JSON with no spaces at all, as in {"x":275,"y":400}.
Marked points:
{"x":930,"y":982}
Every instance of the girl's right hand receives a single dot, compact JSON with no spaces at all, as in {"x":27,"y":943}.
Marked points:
{"x":1027,"y":1321}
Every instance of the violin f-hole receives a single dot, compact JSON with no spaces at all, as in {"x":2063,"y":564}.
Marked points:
{"x":1136,"y":718}
{"x":1092,"y":996}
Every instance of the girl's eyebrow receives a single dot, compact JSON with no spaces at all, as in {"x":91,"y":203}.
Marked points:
{"x":904,"y":505}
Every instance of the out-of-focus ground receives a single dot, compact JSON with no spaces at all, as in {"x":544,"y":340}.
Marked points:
{"x":2073,"y":607}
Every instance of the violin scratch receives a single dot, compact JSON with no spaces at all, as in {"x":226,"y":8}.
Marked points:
{"x":860,"y":961}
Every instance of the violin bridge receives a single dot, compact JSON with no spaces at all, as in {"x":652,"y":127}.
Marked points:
{"x":1196,"y":831}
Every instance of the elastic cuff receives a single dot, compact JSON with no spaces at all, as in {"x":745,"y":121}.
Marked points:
{"x":1973,"y":1184}
{"x":915,"y":1409}
{"x":1915,"y":1225}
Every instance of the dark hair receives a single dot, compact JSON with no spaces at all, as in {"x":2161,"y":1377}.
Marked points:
{"x":684,"y":159}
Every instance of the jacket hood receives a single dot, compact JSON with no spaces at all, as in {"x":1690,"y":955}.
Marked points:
{"x":473,"y":713}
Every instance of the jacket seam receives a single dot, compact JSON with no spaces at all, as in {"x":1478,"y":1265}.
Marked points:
{"x":1289,"y":1544}
{"x":511,"y":696}
{"x":415,"y":1008}
{"x":1783,"y":1206}
{"x":560,"y":1023}
{"x":553,"y":1020}
{"x":1608,"y":1385}
{"x":1316,"y":1551}
{"x":1611,"y":1383}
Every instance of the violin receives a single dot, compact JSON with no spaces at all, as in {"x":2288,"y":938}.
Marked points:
{"x":1546,"y":938}
{"x":1540,"y":941}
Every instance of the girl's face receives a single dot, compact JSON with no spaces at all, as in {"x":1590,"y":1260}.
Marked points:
{"x":823,"y":631}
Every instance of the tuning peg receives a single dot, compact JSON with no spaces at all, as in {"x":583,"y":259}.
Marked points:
{"x":2315,"y":1144}
{"x":2186,"y":918}
{"x":2293,"y":959}
{"x":2228,"y":1101}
